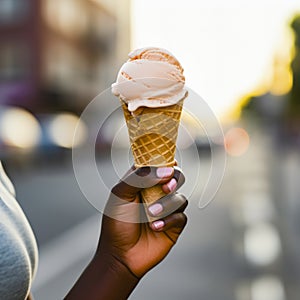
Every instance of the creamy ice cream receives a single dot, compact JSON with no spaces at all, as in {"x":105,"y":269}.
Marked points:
{"x":152,"y":77}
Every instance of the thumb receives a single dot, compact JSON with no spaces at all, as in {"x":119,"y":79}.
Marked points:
{"x":136,"y":180}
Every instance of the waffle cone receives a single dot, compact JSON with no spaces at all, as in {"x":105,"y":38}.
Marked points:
{"x":153,"y":134}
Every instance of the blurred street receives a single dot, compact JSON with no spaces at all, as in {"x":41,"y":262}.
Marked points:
{"x":241,"y":65}
{"x":243,"y":244}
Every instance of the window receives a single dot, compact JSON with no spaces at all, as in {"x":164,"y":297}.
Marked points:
{"x":13,"y":11}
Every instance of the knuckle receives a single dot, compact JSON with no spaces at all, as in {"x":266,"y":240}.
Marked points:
{"x":116,"y":190}
{"x":178,"y":175}
{"x":144,"y":171}
{"x":180,"y":198}
{"x":182,"y":218}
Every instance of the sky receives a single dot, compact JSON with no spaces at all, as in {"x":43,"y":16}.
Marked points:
{"x":226,"y":47}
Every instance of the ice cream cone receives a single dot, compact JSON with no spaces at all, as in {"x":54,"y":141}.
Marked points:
{"x":153,"y":134}
{"x":150,"y":86}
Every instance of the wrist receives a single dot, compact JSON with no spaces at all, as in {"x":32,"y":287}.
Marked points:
{"x":120,"y":280}
{"x":114,"y":263}
{"x":105,"y":278}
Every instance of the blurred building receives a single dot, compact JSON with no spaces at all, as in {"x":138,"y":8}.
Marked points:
{"x":270,"y":106}
{"x":58,"y":55}
{"x":279,"y":108}
{"x":19,"y":53}
{"x":295,"y":92}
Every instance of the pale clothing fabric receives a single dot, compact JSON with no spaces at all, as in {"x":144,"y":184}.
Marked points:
{"x":18,"y":249}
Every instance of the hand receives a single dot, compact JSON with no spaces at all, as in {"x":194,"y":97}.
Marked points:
{"x":125,"y":234}
{"x":129,"y":245}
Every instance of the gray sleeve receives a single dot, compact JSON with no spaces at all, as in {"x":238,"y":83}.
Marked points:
{"x":18,"y":249}
{"x":6,"y":182}
{"x":15,"y":269}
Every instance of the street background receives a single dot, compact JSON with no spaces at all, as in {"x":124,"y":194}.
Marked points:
{"x":56,"y":57}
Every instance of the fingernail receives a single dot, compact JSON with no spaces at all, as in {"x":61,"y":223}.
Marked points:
{"x":164,"y":172}
{"x":155,"y":209}
{"x":158,"y":224}
{"x":172,"y":185}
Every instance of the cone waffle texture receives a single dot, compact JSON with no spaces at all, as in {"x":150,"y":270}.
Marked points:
{"x":153,"y":134}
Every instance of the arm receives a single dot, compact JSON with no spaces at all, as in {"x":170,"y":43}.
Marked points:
{"x":104,"y":278}
{"x":129,"y":246}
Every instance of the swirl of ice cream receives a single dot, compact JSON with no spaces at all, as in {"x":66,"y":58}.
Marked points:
{"x":152,"y":77}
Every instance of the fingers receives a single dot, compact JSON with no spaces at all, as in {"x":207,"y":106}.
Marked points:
{"x":138,"y":179}
{"x":175,"y":222}
{"x":175,"y":183}
{"x":170,"y":213}
{"x":168,"y":205}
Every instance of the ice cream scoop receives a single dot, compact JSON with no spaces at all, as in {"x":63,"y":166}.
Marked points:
{"x":152,"y":77}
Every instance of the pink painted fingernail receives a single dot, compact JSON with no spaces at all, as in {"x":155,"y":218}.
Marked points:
{"x":155,"y":209}
{"x":158,"y":224}
{"x":164,"y":172}
{"x":172,"y":185}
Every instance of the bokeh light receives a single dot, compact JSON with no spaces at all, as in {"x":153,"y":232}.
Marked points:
{"x":236,"y":141}
{"x":262,"y":244}
{"x":62,"y":129}
{"x":19,"y":128}
{"x":267,"y":287}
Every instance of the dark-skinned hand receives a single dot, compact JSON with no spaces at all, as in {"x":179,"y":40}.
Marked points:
{"x":130,"y":245}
